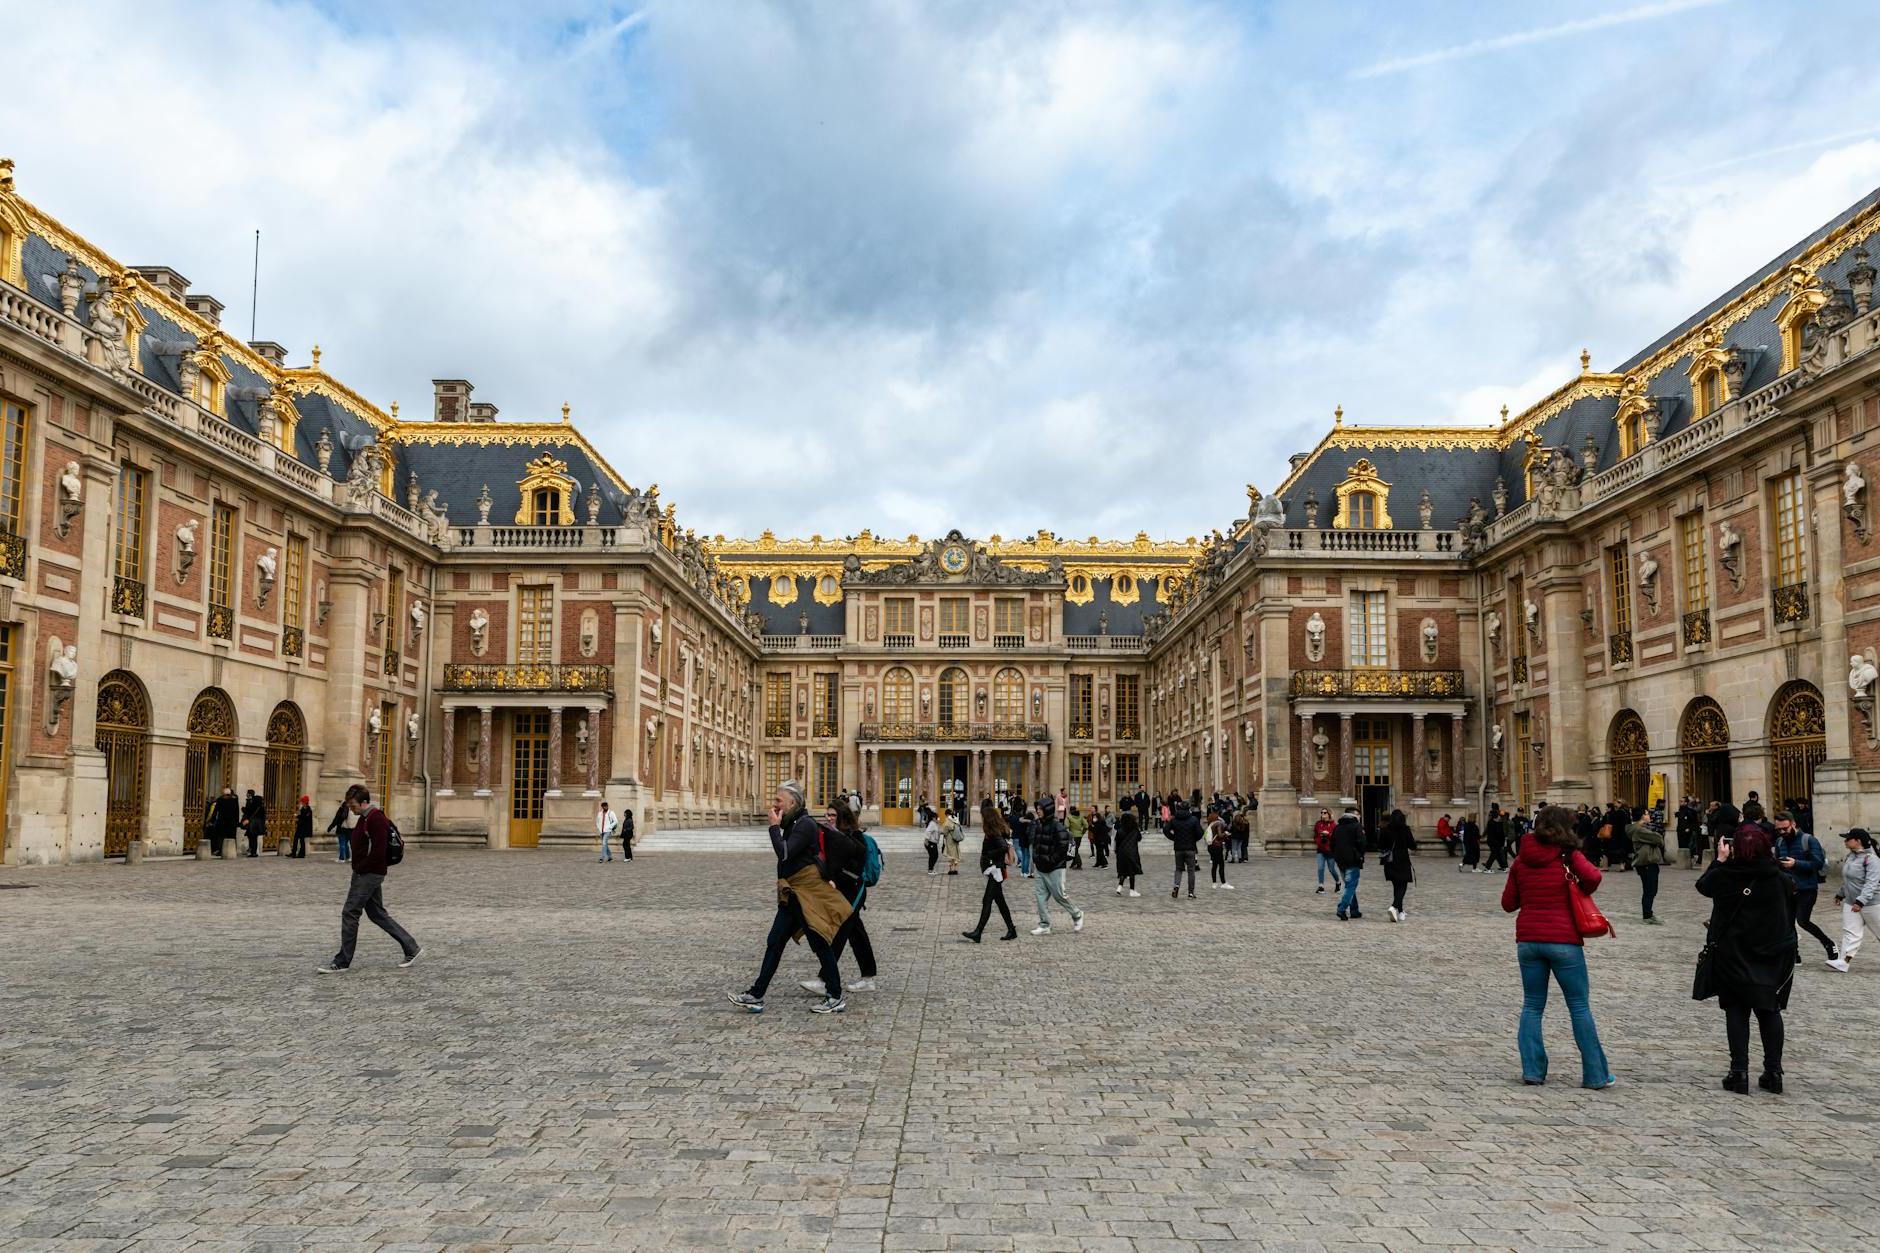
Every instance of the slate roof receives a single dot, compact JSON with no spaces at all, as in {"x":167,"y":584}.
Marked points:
{"x":458,"y":471}
{"x":1078,"y":619}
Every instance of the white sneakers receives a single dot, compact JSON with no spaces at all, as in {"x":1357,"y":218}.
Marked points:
{"x":815,"y":986}
{"x":1119,"y":889}
{"x":1838,"y":963}
{"x":1394,"y":915}
{"x":860,"y":985}
{"x":1134,"y":892}
{"x":1077,"y":923}
{"x":1041,"y":931}
{"x":1227,"y":887}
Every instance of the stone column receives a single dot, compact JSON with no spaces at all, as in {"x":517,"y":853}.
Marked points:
{"x":554,"y":751}
{"x":485,"y":748}
{"x":450,"y":751}
{"x":1347,"y":774}
{"x":1456,"y":796}
{"x":85,"y":800}
{"x":1838,"y":801}
{"x":594,"y":748}
{"x":1567,"y":777}
{"x":1305,"y":758}
{"x":1419,"y":772}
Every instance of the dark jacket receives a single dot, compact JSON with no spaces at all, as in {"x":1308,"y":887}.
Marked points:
{"x":303,"y":823}
{"x":1185,"y":831}
{"x":371,"y":842}
{"x":224,"y":814}
{"x":1752,"y":932}
{"x":1348,"y":842}
{"x":1497,"y":830}
{"x":1050,"y":846}
{"x":1810,"y":860}
{"x":1687,"y":825}
{"x":1128,"y":844}
{"x":1537,"y":888}
{"x":339,"y":818}
{"x":255,"y":816}
{"x":992,"y":852}
{"x":795,"y":843}
{"x":1400,"y":844}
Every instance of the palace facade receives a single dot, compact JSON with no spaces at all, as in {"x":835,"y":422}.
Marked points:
{"x":220,"y":569}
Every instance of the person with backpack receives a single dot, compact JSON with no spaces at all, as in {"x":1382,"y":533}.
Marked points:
{"x":852,"y":861}
{"x":254,"y":821}
{"x":1050,"y":852}
{"x":379,"y":848}
{"x":995,"y":863}
{"x":1322,"y":841}
{"x":1217,"y":854}
{"x":1801,"y":855}
{"x":1183,"y":830}
{"x":1647,"y":842}
{"x":1348,"y":854}
{"x":807,"y":903}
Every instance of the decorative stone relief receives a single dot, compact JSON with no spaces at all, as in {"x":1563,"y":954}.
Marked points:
{"x":1430,"y":637}
{"x":1531,"y":613}
{"x":185,"y":549}
{"x":1730,"y":553}
{"x":1315,"y":637}
{"x":71,"y":498}
{"x":590,"y":632}
{"x":1854,"y":501}
{"x":1861,"y":674}
{"x":1648,"y":579}
{"x":61,"y":680}
{"x":265,"y":567}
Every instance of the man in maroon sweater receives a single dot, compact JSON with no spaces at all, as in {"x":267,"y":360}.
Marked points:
{"x":371,"y":844}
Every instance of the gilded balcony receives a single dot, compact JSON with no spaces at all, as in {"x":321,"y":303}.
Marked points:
{"x":1697,"y":628}
{"x":528,"y":677}
{"x":1381,"y":684}
{"x":1619,"y":650}
{"x":955,"y":732}
{"x":1791,"y":604}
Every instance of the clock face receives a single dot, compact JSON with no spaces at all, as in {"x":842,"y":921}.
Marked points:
{"x":953,"y":560}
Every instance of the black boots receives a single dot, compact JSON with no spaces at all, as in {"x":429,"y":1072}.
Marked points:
{"x":1010,"y":935}
{"x":1737,"y":1081}
{"x":1771,"y":1081}
{"x":971,"y":935}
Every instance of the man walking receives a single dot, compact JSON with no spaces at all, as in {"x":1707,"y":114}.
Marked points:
{"x":1348,"y":853}
{"x":605,"y":822}
{"x":224,"y":817}
{"x":371,"y":859}
{"x":1050,"y":852}
{"x":1183,"y":829}
{"x":1801,"y":854}
{"x":807,"y":903}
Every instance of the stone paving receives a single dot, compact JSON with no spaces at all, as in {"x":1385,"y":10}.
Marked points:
{"x":561,"y":1069}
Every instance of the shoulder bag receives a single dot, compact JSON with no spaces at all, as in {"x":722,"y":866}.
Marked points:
{"x":1587,"y":919}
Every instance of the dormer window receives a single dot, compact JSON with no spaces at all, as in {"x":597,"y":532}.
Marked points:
{"x":205,"y":380}
{"x":545,"y":506}
{"x":547,"y":494}
{"x":1363,"y":500}
{"x":1361,"y":511}
{"x":1636,"y":418}
{"x":1807,"y":295}
{"x":1710,"y":384}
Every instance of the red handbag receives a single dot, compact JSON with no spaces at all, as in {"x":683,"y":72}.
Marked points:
{"x":1587,"y":919}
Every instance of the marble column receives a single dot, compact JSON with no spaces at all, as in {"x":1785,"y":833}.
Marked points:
{"x":1304,"y":782}
{"x":485,"y":748}
{"x":594,"y":749}
{"x":450,"y":750}
{"x":1419,"y":772}
{"x":1455,"y":760}
{"x":554,"y":751}
{"x":1347,"y":775}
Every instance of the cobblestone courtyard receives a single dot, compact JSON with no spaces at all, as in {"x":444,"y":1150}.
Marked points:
{"x":561,"y":1069}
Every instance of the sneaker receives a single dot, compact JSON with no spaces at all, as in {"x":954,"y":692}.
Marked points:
{"x":1119,"y":889}
{"x":862,"y":985}
{"x":1227,"y":887}
{"x":1321,"y":891}
{"x":814,"y":987}
{"x":1600,"y":1087}
{"x":1343,"y":916}
{"x":1839,"y":964}
{"x":1134,"y":892}
{"x":331,"y":969}
{"x":1191,"y":896}
{"x":829,"y":1005}
{"x":1834,"y":952}
{"x":1077,"y":923}
{"x":1393,"y":914}
{"x":416,"y":954}
{"x":1654,"y":922}
{"x":1041,"y":931}
{"x":751,"y":1004}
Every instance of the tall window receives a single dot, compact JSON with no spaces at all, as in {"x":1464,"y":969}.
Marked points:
{"x":222,"y":572}
{"x":1523,"y":759}
{"x":1709,"y":393}
{"x":545,"y":506}
{"x":955,"y":612}
{"x":822,"y":788}
{"x":1083,"y":711}
{"x":535,"y":623}
{"x":897,"y":695}
{"x":825,"y":689}
{"x":293,"y":612}
{"x":1694,"y":558}
{"x":12,"y":464}
{"x":1791,"y":520}
{"x":1619,"y":587}
{"x":1516,"y":626}
{"x":1361,"y":509}
{"x":394,"y":616}
{"x":955,"y":696}
{"x":1369,"y":633}
{"x":1128,"y":707}
{"x":776,"y":704}
{"x":1081,"y":793}
{"x":776,"y":770}
{"x":897,"y":613}
{"x":1008,"y":617}
{"x":1008,"y":696}
{"x":133,"y":490}
{"x":1128,"y":773}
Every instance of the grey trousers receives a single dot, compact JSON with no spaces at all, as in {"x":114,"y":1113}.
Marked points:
{"x":367,"y":896}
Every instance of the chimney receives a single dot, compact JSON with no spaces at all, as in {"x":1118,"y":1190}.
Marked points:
{"x":452,"y":400}
{"x":275,"y":354}
{"x":482,"y":411}
{"x":205,"y":306}
{"x":165,"y":280}
{"x":1297,"y":459}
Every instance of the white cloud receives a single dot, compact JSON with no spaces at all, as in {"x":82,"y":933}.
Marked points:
{"x":1522,"y":38}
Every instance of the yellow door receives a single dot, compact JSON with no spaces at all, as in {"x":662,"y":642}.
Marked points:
{"x":897,"y":789}
{"x":528,"y":778}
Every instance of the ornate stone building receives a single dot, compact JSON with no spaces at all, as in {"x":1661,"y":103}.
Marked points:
{"x":219,"y":569}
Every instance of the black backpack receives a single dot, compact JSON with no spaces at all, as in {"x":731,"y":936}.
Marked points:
{"x":394,"y":842}
{"x":843,"y":859}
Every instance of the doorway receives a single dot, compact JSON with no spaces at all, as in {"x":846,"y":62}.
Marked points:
{"x":1371,"y":763}
{"x":955,"y":782}
{"x":897,"y":789}
{"x":208,"y":760}
{"x":1704,"y":737}
{"x":124,"y":740}
{"x":528,"y":777}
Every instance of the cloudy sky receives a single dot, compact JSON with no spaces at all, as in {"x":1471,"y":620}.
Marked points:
{"x":827,"y":264}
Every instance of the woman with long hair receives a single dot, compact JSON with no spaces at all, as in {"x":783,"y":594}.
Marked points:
{"x":1398,"y":872}
{"x":1128,"y":850}
{"x":1549,"y":945}
{"x":1749,"y":950}
{"x":1322,"y":841}
{"x":995,"y":861}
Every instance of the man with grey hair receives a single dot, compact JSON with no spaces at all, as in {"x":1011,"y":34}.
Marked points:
{"x":807,"y":903}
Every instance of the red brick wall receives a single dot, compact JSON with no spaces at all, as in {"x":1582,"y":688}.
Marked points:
{"x":53,"y":464}
{"x":496,"y":639}
{"x":30,"y":668}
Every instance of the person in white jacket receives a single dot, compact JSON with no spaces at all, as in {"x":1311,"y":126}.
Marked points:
{"x":606,"y":822}
{"x":1859,"y":895}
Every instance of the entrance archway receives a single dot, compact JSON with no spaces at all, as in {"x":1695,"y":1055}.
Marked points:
{"x":281,"y":774}
{"x":1704,"y":739}
{"x":208,"y":759}
{"x":1798,"y":741}
{"x":1629,"y":747}
{"x":124,"y":740}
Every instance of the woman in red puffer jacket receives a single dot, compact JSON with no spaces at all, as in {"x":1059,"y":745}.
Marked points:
{"x":1548,"y":944}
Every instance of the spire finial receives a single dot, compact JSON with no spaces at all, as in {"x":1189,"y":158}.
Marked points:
{"x":1338,"y":416}
{"x":316,"y":356}
{"x":564,"y":411}
{"x":1504,"y":415}
{"x":394,"y":411}
{"x":6,"y":173}
{"x":1586,"y":361}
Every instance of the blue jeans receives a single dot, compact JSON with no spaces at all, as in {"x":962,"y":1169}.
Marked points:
{"x":345,"y":844}
{"x":1327,"y":867}
{"x":607,"y":854}
{"x":1348,"y":903}
{"x":1024,"y":859}
{"x":1567,"y":964}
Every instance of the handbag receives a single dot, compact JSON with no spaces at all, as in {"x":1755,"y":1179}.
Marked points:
{"x":1587,"y":919}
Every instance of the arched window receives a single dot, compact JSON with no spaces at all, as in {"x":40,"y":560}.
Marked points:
{"x":1363,"y":500}
{"x":1629,"y":747}
{"x":1361,"y":508}
{"x":954,"y":696}
{"x":545,"y":506}
{"x":1008,"y":696}
{"x":1710,"y":389}
{"x":897,"y":695}
{"x":545,"y":493}
{"x":1798,"y":741}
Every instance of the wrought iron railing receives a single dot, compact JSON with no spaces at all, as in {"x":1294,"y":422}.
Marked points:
{"x":1791,"y":604}
{"x":955,"y":732}
{"x":1517,"y":669}
{"x":1619,"y":648}
{"x":391,"y":662}
{"x":1130,"y":734}
{"x":777,"y":729}
{"x":824,"y":728}
{"x":293,"y":642}
{"x":528,"y":677}
{"x":1697,"y":628}
{"x":1446,"y":684}
{"x":12,"y":555}
{"x":221,"y":622}
{"x":128,"y":596}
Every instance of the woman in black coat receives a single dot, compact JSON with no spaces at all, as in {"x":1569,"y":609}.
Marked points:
{"x":1128,"y":851}
{"x":1398,"y":844}
{"x":1750,"y":954}
{"x":303,"y":828}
